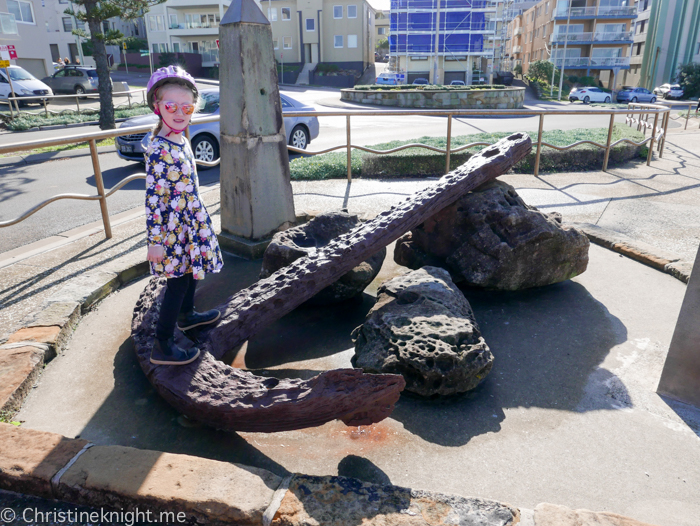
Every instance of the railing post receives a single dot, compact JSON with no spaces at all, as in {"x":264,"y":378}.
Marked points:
{"x":187,"y":133}
{"x":347,"y":134}
{"x":651,"y":143}
{"x":129,"y":95}
{"x":539,"y":145}
{"x":100,"y":188}
{"x":9,"y":103}
{"x":77,"y":102}
{"x":449,"y":144}
{"x":663,"y":138}
{"x":640,"y":126}
{"x":46,"y":109}
{"x":607,"y":147}
{"x":663,"y":127}
{"x":687,"y":116}
{"x":143,"y":96}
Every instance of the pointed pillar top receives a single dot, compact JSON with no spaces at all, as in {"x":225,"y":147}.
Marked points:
{"x":244,"y":11}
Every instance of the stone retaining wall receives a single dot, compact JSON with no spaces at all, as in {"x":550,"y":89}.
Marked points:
{"x":493,"y":99}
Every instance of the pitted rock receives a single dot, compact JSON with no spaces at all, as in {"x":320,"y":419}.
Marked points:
{"x":423,"y":328}
{"x":306,"y":239}
{"x":491,"y":238}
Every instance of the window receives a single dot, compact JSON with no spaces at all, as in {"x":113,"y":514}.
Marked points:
{"x":286,"y":13}
{"x":155,"y":48}
{"x":8,"y":24}
{"x":176,"y":47}
{"x":546,"y":8}
{"x":23,"y":11}
{"x":310,"y":24}
{"x":381,"y":31}
{"x":338,"y":41}
{"x":156,"y":23}
{"x":337,"y":11}
{"x":352,"y":40}
{"x":272,"y":14}
{"x":275,"y":43}
{"x":105,"y":25}
{"x":352,"y":11}
{"x":173,"y":22}
{"x":287,"y":42}
{"x":67,"y":24}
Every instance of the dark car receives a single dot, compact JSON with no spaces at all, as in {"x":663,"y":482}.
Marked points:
{"x":420,"y":82}
{"x":504,"y":77}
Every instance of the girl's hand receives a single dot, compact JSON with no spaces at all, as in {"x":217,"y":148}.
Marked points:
{"x":155,"y":253}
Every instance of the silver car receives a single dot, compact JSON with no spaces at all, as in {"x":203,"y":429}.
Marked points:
{"x":206,"y":137}
{"x":73,"y":79}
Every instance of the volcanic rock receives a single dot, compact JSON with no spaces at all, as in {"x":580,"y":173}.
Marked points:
{"x":422,"y":327}
{"x":303,"y":240}
{"x":491,"y":238}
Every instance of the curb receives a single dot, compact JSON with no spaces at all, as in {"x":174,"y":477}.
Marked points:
{"x":52,"y":466}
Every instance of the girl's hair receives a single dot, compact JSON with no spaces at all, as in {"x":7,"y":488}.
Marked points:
{"x":158,"y":98}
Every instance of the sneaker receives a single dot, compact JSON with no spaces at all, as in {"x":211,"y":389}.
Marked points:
{"x":194,"y":319}
{"x":167,"y":353}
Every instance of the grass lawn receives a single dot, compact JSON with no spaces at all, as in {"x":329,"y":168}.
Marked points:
{"x":26,"y":122}
{"x":105,"y":142}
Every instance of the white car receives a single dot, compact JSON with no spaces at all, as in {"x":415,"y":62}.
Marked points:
{"x":589,"y":94}
{"x":669,"y":91}
{"x":25,"y":85}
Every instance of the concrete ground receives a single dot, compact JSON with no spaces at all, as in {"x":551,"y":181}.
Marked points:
{"x":568,"y":415}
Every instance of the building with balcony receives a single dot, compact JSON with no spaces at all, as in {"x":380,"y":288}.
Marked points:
{"x":23,"y":24}
{"x":672,"y":38}
{"x":333,"y":32}
{"x":63,"y":44}
{"x":382,"y":20}
{"x":585,"y":37}
{"x":445,"y":40}
{"x":186,"y":26}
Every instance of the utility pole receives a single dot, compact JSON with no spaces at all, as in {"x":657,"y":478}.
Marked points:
{"x":563,"y":60}
{"x":554,"y":68}
{"x":437,"y":44}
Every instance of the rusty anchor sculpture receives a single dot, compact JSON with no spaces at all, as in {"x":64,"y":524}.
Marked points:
{"x":220,"y":396}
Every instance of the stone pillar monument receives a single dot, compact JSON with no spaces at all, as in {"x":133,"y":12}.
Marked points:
{"x":680,"y":378}
{"x":256,"y":192}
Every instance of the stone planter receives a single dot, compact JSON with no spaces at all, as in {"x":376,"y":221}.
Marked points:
{"x":492,"y":99}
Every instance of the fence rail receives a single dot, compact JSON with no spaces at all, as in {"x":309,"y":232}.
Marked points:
{"x":45,"y":98}
{"x":634,"y":114}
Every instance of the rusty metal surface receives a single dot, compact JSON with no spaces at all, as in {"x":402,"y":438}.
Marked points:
{"x":211,"y":392}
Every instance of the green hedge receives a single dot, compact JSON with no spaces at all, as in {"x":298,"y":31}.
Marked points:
{"x":26,"y":121}
{"x":419,"y":162}
{"x":436,"y":87}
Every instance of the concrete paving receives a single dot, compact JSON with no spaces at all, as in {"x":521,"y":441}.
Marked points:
{"x":569,"y":414}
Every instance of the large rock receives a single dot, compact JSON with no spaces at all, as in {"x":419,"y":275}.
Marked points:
{"x":490,"y":238}
{"x":422,"y":327}
{"x":305,"y":239}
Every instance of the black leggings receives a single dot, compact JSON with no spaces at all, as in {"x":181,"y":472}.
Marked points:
{"x":179,"y":297}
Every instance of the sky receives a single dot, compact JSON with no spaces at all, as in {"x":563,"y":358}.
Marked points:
{"x":380,"y":4}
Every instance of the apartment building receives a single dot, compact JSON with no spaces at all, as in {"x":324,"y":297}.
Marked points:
{"x":186,"y":26}
{"x":585,"y":37}
{"x":632,"y":76}
{"x":339,"y":32}
{"x":23,"y":25}
{"x":63,"y":43}
{"x":445,"y":40}
{"x":514,"y":39}
{"x":382,"y":23}
{"x":672,"y":39}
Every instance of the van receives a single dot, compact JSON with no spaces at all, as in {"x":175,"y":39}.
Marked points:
{"x":24,"y":83}
{"x":389,"y":78}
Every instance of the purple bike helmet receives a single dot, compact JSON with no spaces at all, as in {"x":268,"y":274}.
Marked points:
{"x":169,"y":75}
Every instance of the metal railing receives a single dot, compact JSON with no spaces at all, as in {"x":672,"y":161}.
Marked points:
{"x":635,"y":114}
{"x":593,"y":62}
{"x":593,"y":11}
{"x":618,"y":36}
{"x":45,"y":98}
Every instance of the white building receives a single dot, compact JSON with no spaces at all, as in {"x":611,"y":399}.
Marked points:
{"x":23,"y":24}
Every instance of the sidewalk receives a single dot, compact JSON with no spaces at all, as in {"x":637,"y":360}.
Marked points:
{"x":569,"y":415}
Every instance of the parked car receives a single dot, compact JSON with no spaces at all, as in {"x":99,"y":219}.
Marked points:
{"x":635,"y":95}
{"x":420,"y":82}
{"x":387,"y":78}
{"x":457,"y":83}
{"x":589,"y":94}
{"x":504,"y":77}
{"x":669,"y":91}
{"x":74,"y":79}
{"x":206,"y":137}
{"x":25,"y":85}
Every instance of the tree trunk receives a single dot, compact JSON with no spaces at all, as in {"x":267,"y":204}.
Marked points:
{"x":100,"y":56}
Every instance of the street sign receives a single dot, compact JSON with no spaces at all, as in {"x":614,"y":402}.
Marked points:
{"x":144,"y":52}
{"x":8,"y":52}
{"x":124,"y":44}
{"x":4,"y":63}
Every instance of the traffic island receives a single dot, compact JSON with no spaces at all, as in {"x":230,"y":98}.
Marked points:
{"x":439,"y":98}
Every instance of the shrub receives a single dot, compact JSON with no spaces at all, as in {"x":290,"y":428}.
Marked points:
{"x":327,"y":68}
{"x":573,"y":79}
{"x":171,"y":59}
{"x":586,"y":81}
{"x":518,"y":69}
{"x":689,"y":79}
{"x":440,"y":87}
{"x":540,"y":70}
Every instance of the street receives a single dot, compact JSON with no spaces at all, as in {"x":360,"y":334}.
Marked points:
{"x":23,"y":186}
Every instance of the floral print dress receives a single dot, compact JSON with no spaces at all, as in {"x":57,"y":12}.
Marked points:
{"x":175,"y":215}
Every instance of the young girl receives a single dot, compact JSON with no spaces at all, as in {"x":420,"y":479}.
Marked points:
{"x":182,"y":245}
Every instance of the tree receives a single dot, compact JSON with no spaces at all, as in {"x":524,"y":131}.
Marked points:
{"x":383,"y":43}
{"x":518,"y":69}
{"x":689,"y":79}
{"x":541,"y":70}
{"x":95,"y":12}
